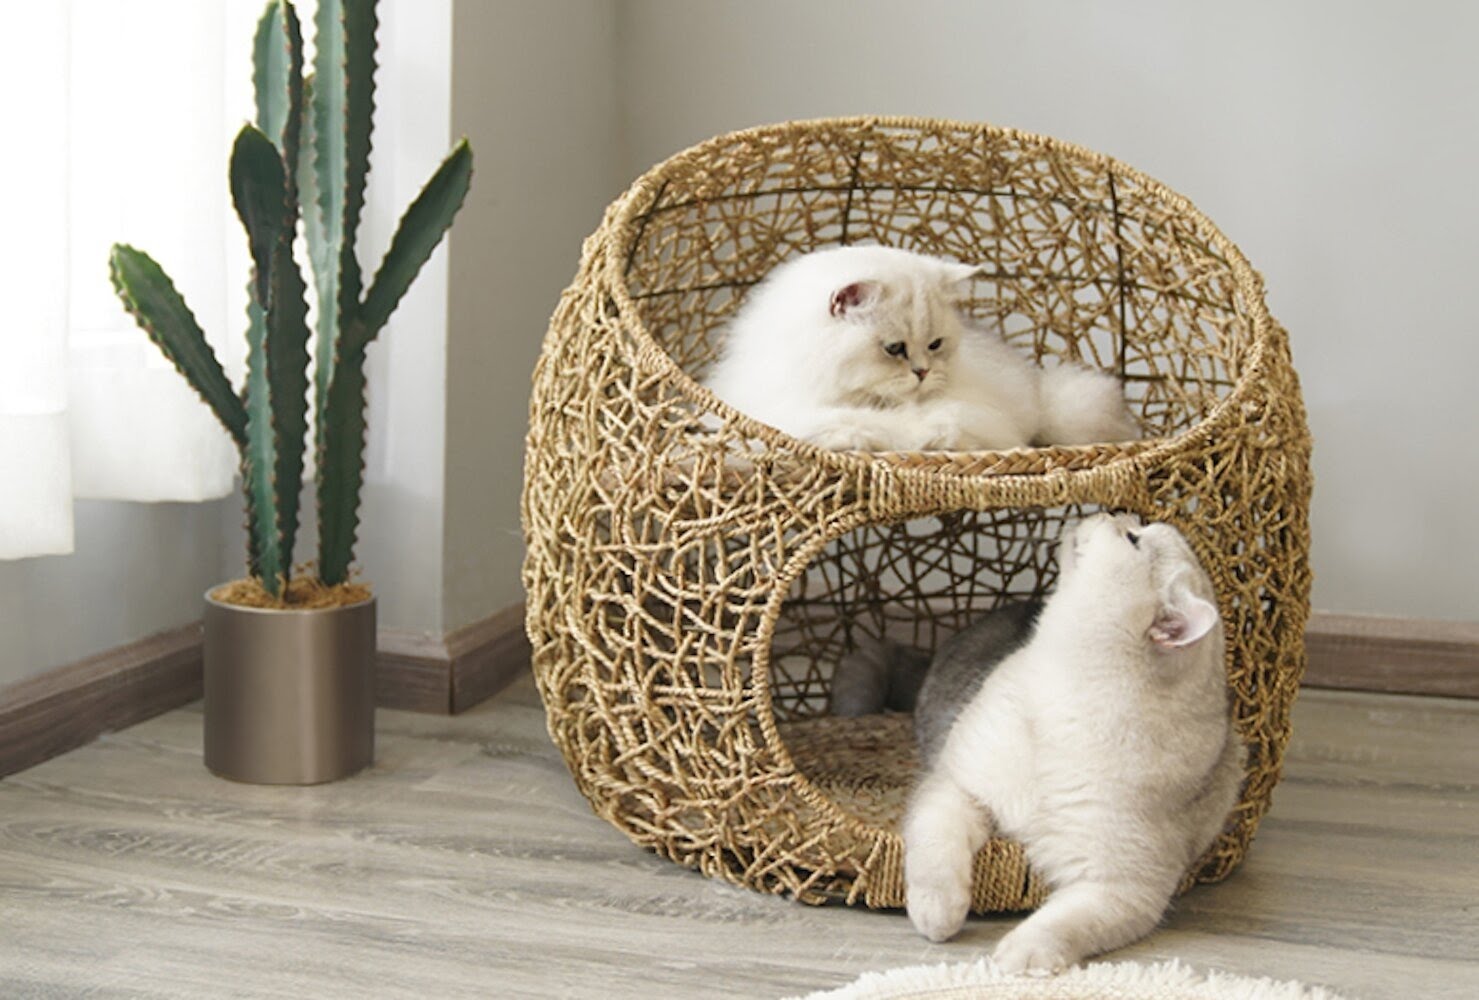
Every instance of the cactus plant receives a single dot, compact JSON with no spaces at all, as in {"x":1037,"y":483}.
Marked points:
{"x":307,"y":156}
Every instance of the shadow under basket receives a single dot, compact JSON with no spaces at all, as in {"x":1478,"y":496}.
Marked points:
{"x":693,"y":576}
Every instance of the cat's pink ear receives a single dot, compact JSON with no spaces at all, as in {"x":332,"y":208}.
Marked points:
{"x":1183,"y":620}
{"x":854,"y":297}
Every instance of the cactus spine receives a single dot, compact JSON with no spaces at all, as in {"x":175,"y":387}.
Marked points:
{"x":307,"y":156}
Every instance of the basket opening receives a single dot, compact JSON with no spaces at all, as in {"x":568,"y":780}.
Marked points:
{"x":916,"y":582}
{"x":1080,"y":260}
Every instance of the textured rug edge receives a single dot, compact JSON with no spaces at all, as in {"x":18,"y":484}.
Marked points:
{"x":1212,"y":985}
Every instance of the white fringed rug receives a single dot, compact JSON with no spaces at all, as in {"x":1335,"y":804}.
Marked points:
{"x":1102,"y":981}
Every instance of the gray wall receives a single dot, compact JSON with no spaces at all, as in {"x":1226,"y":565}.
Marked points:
{"x":534,"y":87}
{"x":137,"y":569}
{"x":402,"y":516}
{"x":1334,"y":142}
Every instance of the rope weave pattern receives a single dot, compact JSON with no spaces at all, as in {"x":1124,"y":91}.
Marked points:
{"x":693,"y":575}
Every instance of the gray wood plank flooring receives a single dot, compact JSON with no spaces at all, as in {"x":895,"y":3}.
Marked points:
{"x":465,"y":864}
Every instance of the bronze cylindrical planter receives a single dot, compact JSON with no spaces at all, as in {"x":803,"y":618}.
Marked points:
{"x":289,"y":695}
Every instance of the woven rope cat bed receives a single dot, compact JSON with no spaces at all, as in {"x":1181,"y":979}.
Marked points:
{"x":693,"y":575}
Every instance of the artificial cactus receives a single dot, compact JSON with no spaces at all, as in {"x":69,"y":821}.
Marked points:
{"x":307,"y":157}
{"x":275,"y":393}
{"x":341,"y":105}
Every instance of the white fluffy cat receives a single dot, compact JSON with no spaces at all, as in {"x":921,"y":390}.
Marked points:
{"x":1104,"y":745}
{"x":864,"y":347}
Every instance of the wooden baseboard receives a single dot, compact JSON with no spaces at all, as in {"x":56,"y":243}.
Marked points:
{"x":1393,"y":655}
{"x":451,"y":674}
{"x":67,"y":707}
{"x":487,"y":656}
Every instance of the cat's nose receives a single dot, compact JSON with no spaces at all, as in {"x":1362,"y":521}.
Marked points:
{"x":920,"y":373}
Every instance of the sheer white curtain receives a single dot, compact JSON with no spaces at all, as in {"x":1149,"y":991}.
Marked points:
{"x":120,"y":117}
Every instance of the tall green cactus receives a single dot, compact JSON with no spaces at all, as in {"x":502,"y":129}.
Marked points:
{"x":341,"y":101}
{"x":307,"y":156}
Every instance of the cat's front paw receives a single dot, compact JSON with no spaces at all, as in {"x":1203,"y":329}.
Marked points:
{"x":1031,"y":952}
{"x":845,"y":439}
{"x":938,"y":911}
{"x":938,"y":431}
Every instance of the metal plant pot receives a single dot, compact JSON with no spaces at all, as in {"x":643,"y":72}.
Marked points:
{"x":289,"y":695}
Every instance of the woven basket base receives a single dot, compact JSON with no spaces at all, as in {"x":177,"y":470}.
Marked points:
{"x":865,"y":765}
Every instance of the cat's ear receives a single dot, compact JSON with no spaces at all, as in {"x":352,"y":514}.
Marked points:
{"x":1183,"y":618}
{"x":855,"y":297}
{"x":958,"y":279}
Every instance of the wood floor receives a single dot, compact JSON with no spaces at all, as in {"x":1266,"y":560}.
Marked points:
{"x":466,"y":865}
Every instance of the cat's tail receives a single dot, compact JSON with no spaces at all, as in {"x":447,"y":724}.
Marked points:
{"x":878,"y":675}
{"x":1081,"y":405}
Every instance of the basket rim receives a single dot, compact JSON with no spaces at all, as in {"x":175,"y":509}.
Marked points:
{"x":625,"y":221}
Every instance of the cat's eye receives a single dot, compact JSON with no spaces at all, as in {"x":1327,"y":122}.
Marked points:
{"x":896,"y":349}
{"x":1134,"y":538}
{"x":935,"y":344}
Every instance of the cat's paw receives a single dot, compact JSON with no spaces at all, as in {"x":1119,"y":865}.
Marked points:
{"x":938,"y":431}
{"x":938,"y":911}
{"x":1027,"y":951}
{"x":942,"y":439}
{"x":954,"y":426}
{"x":846,"y":439}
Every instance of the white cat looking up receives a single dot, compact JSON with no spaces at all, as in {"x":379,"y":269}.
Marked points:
{"x":864,"y":347}
{"x":1104,"y":745}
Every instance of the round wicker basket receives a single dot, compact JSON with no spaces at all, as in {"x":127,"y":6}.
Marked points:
{"x":693,"y":575}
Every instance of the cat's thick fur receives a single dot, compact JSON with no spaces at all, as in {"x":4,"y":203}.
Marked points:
{"x":961,"y":665}
{"x":864,"y":347}
{"x":1104,"y":745}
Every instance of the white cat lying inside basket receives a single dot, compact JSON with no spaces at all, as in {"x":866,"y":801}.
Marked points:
{"x":687,"y":609}
{"x":863,"y":347}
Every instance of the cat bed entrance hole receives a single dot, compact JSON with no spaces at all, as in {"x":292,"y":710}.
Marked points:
{"x":915,"y":582}
{"x":668,"y":535}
